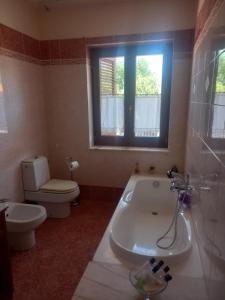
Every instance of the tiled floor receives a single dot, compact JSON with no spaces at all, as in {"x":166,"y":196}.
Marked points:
{"x":53,"y":268}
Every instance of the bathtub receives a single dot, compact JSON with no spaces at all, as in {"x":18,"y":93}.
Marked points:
{"x":144,"y":214}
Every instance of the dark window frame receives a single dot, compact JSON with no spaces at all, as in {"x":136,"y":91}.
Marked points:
{"x":218,"y":45}
{"x":130,"y":52}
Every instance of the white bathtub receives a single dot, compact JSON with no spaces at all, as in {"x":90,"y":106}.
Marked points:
{"x":144,"y":215}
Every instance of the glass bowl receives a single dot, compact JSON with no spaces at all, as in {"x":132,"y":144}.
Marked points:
{"x":148,"y":285}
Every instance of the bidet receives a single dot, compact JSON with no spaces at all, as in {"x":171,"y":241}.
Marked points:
{"x":21,"y":222}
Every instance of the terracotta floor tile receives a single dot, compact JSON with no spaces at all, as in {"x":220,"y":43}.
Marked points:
{"x":53,"y":268}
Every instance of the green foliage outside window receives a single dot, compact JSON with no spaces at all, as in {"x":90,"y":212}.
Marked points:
{"x":220,"y":80}
{"x":146,"y":81}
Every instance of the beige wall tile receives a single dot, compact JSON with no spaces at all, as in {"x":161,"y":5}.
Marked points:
{"x":24,"y":110}
{"x":68,"y":130}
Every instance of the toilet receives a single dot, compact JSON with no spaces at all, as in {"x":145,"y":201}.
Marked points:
{"x":21,"y":222}
{"x":55,"y":195}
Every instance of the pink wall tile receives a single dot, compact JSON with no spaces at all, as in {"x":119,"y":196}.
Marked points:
{"x":72,"y":48}
{"x":24,"y":108}
{"x":31,"y":46}
{"x":67,"y":51}
{"x":12,"y":39}
{"x":44,"y":50}
{"x":205,"y":154}
{"x":54,"y":49}
{"x":204,"y":14}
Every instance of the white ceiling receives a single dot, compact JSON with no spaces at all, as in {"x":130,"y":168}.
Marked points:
{"x":52,"y":3}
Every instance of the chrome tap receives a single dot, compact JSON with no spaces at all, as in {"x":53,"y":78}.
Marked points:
{"x":170,"y":171}
{"x":180,"y":182}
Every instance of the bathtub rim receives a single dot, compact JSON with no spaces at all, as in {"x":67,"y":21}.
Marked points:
{"x":191,"y":266}
{"x":120,"y":250}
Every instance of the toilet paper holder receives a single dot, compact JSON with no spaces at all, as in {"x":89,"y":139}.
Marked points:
{"x":72,"y":165}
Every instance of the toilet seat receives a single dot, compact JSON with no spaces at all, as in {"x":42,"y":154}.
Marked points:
{"x":58,"y":186}
{"x":58,"y":205}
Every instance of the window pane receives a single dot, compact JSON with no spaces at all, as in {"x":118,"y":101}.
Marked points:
{"x":112,"y":95}
{"x":3,"y":123}
{"x":218,"y":124}
{"x":148,"y":95}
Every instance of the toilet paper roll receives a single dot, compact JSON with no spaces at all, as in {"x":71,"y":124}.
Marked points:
{"x":73,"y":165}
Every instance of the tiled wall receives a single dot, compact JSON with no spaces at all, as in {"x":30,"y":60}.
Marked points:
{"x":67,"y":110}
{"x":22,"y":121}
{"x":205,"y":157}
{"x":74,"y":51}
{"x":64,"y":65}
{"x":18,"y":45}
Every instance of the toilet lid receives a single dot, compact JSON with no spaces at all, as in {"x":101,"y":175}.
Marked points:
{"x":59,"y":186}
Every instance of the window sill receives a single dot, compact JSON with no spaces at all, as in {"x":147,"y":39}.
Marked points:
{"x":137,"y":149}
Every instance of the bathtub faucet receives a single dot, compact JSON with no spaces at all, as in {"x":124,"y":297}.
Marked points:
{"x":180,"y":182}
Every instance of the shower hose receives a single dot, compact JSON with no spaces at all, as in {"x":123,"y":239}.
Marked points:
{"x":172,"y":224}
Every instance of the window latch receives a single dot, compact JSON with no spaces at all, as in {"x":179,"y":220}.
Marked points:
{"x":130,"y":109}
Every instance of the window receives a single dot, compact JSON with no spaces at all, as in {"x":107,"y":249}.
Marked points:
{"x":218,"y":111}
{"x":3,"y":123}
{"x":215,"y":93}
{"x":131,"y":94}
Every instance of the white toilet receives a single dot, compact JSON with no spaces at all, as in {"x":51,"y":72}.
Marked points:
{"x":21,"y":222}
{"x":55,"y":195}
